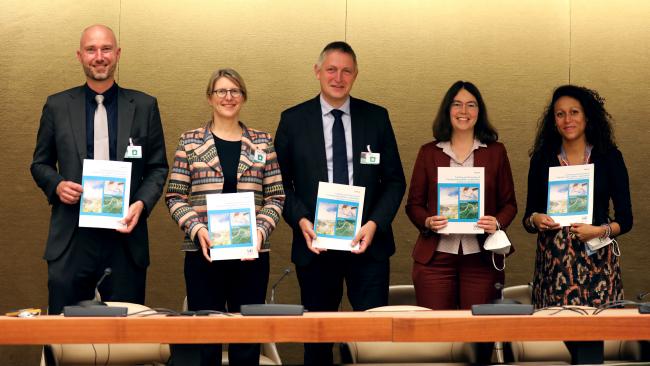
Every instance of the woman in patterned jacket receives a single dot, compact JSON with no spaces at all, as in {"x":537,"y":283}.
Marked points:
{"x":224,"y":156}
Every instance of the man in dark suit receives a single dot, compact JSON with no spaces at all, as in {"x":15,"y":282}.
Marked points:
{"x":322,"y":139}
{"x":98,"y":121}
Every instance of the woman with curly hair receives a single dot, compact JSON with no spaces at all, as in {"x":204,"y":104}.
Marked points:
{"x":576,"y":129}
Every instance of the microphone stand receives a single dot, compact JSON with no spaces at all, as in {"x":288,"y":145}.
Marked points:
{"x":286,"y":272}
{"x":95,"y":308}
{"x":644,"y":308}
{"x":502,"y":306}
{"x":273,"y":308}
{"x":97,"y":300}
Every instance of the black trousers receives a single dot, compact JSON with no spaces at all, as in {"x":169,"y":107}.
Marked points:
{"x":73,"y":276}
{"x":321,"y":289}
{"x":586,"y":352}
{"x":224,"y":286}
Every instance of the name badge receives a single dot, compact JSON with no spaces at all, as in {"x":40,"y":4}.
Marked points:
{"x":133,"y":151}
{"x":369,"y":157}
{"x":259,"y":157}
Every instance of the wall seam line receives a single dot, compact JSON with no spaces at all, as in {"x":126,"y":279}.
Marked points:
{"x":570,"y":36}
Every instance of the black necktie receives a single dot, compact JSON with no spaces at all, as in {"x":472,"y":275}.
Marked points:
{"x":339,"y":150}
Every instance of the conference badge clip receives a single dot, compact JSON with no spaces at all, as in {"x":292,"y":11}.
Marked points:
{"x":133,"y":151}
{"x":369,"y":157}
{"x":259,"y":156}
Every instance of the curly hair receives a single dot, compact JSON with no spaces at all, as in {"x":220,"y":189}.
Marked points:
{"x":598,"y":130}
{"x":483,"y":129}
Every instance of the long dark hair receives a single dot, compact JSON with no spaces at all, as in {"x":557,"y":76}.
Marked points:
{"x":598,"y":129}
{"x":483,"y":129}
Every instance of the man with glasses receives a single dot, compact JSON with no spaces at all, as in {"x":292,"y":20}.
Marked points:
{"x":102,"y":121}
{"x":323,"y":139}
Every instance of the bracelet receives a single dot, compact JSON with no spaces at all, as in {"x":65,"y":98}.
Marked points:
{"x":608,"y":231}
{"x":531,"y":223}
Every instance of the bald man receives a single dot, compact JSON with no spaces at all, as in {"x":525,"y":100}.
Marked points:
{"x":70,"y":132}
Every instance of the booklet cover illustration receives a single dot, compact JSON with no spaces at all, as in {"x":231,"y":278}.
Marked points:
{"x":231,"y":223}
{"x":338,"y":215}
{"x":570,"y":194}
{"x":106,"y":191}
{"x":460,"y":199}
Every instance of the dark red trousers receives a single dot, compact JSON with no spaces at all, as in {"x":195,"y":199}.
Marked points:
{"x":456,"y":281}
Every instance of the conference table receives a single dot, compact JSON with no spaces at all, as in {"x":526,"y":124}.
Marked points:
{"x":402,"y":326}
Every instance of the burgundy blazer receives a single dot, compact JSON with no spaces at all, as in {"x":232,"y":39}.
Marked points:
{"x":422,"y":199}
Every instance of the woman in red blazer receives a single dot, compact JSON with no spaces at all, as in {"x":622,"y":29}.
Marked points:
{"x":454,"y":271}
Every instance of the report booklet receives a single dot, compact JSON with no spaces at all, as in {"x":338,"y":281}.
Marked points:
{"x":105,"y":198}
{"x":571,"y":194}
{"x":231,"y":224}
{"x":460,"y":199}
{"x":338,"y":215}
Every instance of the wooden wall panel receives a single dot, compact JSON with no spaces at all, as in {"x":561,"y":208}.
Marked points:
{"x":409,"y":53}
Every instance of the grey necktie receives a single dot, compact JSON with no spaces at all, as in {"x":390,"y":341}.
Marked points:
{"x":100,"y":151}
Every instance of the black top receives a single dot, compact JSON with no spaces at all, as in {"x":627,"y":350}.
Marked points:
{"x":228,"y":152}
{"x":110,"y":103}
{"x":610,"y":182}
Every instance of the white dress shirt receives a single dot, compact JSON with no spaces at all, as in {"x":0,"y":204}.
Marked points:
{"x":328,"y":123}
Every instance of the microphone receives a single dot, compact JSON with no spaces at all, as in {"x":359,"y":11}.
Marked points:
{"x":644,"y":308}
{"x":95,"y":307}
{"x":502,"y":306}
{"x":286,"y":272}
{"x":273,"y":308}
{"x":107,"y":272}
{"x":501,"y":300}
{"x":499,"y":287}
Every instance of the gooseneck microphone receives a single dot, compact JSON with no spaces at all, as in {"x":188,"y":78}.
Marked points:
{"x":286,"y":272}
{"x":95,"y":301}
{"x":273,"y":308}
{"x":499,"y":287}
{"x":644,"y":308}
{"x":94,"y":307}
{"x":502,"y":306}
{"x":502,"y":300}
{"x":107,"y":272}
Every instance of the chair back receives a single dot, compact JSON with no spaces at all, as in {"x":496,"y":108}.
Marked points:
{"x":556,"y":351}
{"x":112,"y":354}
{"x":401,"y":295}
{"x":452,"y":353}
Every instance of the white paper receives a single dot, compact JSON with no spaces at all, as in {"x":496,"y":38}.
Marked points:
{"x":106,"y":192}
{"x":231,"y":223}
{"x":339,"y":208}
{"x":460,"y":199}
{"x":571,"y":194}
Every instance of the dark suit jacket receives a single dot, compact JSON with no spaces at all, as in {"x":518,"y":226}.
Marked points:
{"x":610,"y":182}
{"x":61,"y":149}
{"x":300,"y":146}
{"x":422,"y":200}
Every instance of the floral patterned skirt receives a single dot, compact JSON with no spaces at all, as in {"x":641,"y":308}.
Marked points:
{"x":566,"y":275}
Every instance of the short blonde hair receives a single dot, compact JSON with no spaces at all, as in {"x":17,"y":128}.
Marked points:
{"x":229,"y":74}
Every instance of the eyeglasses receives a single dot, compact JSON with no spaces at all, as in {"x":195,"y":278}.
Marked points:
{"x":221,"y":93}
{"x":459,"y":105}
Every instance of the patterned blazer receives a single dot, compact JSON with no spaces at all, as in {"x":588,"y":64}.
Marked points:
{"x":196,"y":172}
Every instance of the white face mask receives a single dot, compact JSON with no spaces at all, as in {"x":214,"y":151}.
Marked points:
{"x":498,"y":243}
